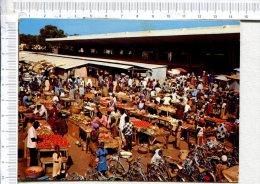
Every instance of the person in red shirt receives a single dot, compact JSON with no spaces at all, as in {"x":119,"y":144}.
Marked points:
{"x":209,"y":108}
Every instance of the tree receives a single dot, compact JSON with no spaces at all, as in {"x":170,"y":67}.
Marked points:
{"x":49,"y":31}
{"x":29,"y":40}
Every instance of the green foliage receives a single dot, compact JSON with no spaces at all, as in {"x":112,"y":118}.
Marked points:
{"x":49,"y":31}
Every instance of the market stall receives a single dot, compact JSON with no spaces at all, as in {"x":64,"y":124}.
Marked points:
{"x":46,"y":148}
{"x":153,"y":132}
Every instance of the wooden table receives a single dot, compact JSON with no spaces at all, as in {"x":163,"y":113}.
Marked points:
{"x":86,"y":130}
{"x":67,"y":101}
{"x":168,"y":110}
{"x":153,"y":137}
{"x":73,"y":129}
{"x":43,"y":161}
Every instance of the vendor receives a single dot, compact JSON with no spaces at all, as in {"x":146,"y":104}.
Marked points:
{"x":57,"y":162}
{"x":100,"y":119}
{"x":32,"y":142}
{"x":40,"y":111}
{"x":200,"y":134}
{"x":27,"y":99}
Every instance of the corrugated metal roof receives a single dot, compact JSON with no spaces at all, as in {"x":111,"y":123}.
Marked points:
{"x":64,"y":63}
{"x":155,"y":33}
{"x":112,"y":61}
{"x":67,"y":62}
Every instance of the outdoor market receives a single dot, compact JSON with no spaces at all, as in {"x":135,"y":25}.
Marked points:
{"x":89,"y":122}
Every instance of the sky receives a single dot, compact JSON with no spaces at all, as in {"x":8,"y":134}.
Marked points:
{"x":99,"y":26}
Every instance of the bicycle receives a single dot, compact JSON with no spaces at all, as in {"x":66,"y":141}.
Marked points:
{"x":136,"y":172}
{"x":133,"y":173}
{"x":73,"y":176}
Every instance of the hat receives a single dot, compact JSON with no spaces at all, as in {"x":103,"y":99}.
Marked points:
{"x":224,"y":158}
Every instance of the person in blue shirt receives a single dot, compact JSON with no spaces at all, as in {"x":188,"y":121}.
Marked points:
{"x":101,"y":155}
{"x":27,"y":100}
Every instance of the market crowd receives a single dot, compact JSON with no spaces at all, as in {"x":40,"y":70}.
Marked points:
{"x":193,"y":96}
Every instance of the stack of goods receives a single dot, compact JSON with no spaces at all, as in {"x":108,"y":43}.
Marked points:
{"x":33,"y":172}
{"x":50,"y":141}
{"x":79,"y":118}
{"x":44,"y":131}
{"x":108,"y":140}
{"x":104,"y":102}
{"x":140,"y":123}
{"x":44,"y":128}
{"x":124,"y":106}
{"x":23,"y":109}
{"x":46,"y":103}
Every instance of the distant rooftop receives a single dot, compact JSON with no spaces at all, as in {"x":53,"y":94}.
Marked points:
{"x":227,"y":29}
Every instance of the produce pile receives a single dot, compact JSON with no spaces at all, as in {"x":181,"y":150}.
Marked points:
{"x":104,"y":102}
{"x":106,"y":137}
{"x":80,"y":118}
{"x":140,"y":123}
{"x":22,"y":109}
{"x":49,"y":141}
{"x":124,"y":106}
{"x":44,"y":131}
{"x":165,"y":108}
{"x":45,"y":102}
{"x":217,"y":120}
{"x":32,"y":172}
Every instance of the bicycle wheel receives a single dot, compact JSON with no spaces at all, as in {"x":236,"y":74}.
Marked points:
{"x":116,"y":168}
{"x":91,"y":175}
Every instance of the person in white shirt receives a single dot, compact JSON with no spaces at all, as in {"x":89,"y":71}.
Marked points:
{"x":57,"y":162}
{"x":55,"y":99}
{"x":130,"y":82}
{"x":41,"y":111}
{"x":32,"y":142}
{"x":167,"y":100}
{"x":187,"y":108}
{"x":89,"y":82}
{"x":62,"y":93}
{"x":153,"y":93}
{"x":122,"y":121}
{"x":141,"y":105}
{"x":47,"y":85}
{"x":157,"y":157}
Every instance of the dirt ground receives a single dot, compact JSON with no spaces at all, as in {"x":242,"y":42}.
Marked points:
{"x":81,"y":159}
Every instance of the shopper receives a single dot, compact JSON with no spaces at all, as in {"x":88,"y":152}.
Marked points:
{"x":128,"y":133}
{"x":178,"y":135}
{"x":102,"y":160}
{"x":157,"y":157}
{"x":32,"y":142}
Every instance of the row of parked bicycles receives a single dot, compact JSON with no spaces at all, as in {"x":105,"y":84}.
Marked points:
{"x":199,"y":166}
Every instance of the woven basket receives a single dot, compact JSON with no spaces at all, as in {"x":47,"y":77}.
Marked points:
{"x":33,"y":172}
{"x":75,"y":109}
{"x":143,"y":150}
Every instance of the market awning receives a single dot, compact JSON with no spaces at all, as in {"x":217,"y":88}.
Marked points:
{"x":126,"y":67}
{"x":113,"y":61}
